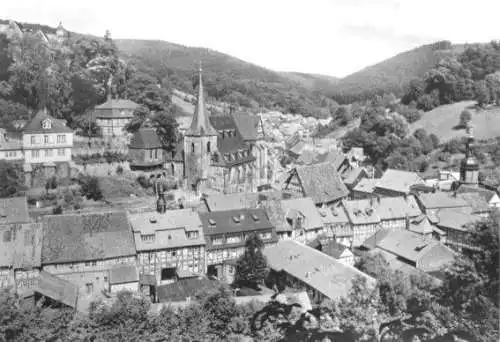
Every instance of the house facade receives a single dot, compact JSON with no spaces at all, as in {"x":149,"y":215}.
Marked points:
{"x":169,"y":243}
{"x":226,"y":231}
{"x":113,"y":115}
{"x":10,"y":149}
{"x":47,"y":140}
{"x":145,"y":150}
{"x":20,"y":246}
{"x":82,"y":248}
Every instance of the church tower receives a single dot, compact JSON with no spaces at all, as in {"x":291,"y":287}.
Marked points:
{"x":469,"y":168}
{"x":200,"y":141}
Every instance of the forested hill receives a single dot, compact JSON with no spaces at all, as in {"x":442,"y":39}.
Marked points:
{"x":393,"y":74}
{"x":229,"y":79}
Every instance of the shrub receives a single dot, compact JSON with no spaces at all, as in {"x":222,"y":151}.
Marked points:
{"x":465,"y":118}
{"x":119,"y":169}
{"x":90,"y":188}
{"x":143,"y":181}
{"x":57,"y":210}
{"x":51,"y":183}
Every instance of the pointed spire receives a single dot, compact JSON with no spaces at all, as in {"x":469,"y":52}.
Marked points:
{"x":200,"y":124}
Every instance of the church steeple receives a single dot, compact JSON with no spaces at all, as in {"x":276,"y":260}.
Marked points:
{"x":200,"y":126}
{"x":469,"y":168}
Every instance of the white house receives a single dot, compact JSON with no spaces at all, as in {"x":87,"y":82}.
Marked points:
{"x":47,"y":140}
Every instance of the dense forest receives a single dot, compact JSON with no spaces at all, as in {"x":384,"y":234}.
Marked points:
{"x":402,"y":307}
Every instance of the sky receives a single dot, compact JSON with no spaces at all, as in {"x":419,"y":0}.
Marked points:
{"x":331,"y":37}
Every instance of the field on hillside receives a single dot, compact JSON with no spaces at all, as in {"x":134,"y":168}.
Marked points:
{"x":440,"y":121}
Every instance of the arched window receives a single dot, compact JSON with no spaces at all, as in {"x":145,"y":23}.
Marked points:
{"x":173,"y":169}
{"x":192,"y":147}
{"x":208,"y":147}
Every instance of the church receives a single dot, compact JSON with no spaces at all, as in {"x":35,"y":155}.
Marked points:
{"x":225,"y":152}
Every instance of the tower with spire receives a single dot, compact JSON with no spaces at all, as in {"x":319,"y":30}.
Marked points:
{"x":469,"y":168}
{"x":200,"y":141}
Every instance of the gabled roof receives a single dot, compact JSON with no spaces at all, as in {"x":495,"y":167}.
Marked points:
{"x":325,"y":274}
{"x":35,"y":125}
{"x":200,"y":125}
{"x":145,"y":138}
{"x":397,"y":180}
{"x":390,"y":208}
{"x":123,"y":274}
{"x":170,"y":229}
{"x":334,"y":249}
{"x":453,"y":218}
{"x":227,"y":144}
{"x":478,"y":203}
{"x":421,"y":225}
{"x":366,"y":185}
{"x":438,"y":200}
{"x":485,"y":193}
{"x":57,"y":289}
{"x":333,"y":215}
{"x":84,"y":237}
{"x":237,"y":200}
{"x":307,"y":208}
{"x":118,"y":104}
{"x":361,"y":211}
{"x":14,"y":210}
{"x":322,"y":182}
{"x":248,"y":125}
{"x":352,"y":175}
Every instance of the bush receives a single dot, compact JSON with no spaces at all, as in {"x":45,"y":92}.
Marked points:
{"x":465,"y":118}
{"x":119,"y":169}
{"x":57,"y":210}
{"x":144,"y":182}
{"x":51,"y":183}
{"x":91,"y":188}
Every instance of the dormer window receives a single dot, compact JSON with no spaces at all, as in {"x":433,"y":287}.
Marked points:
{"x":47,"y":124}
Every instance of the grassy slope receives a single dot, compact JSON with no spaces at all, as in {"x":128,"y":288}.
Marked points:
{"x":440,"y":121}
{"x":394,"y":74}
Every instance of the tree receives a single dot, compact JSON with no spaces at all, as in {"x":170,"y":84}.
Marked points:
{"x":465,"y":118}
{"x":166,"y":128}
{"x":493,"y":83}
{"x":251,"y":268}
{"x":11,"y":179}
{"x":482,"y":93}
{"x":90,"y":188}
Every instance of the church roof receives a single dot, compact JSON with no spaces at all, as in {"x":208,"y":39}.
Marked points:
{"x":200,"y":125}
{"x":35,"y":125}
{"x":247,"y":125}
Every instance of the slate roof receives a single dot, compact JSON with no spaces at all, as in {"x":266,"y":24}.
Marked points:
{"x":307,"y":208}
{"x":420,"y":225}
{"x":145,"y":138}
{"x":352,"y":175}
{"x":485,"y":193}
{"x":249,"y":220}
{"x":366,"y":185}
{"x":333,"y":215}
{"x":438,"y":200}
{"x":123,"y":274}
{"x":334,"y":249}
{"x":247,"y":125}
{"x":322,"y":182}
{"x":24,"y":247}
{"x":184,"y":288}
{"x":89,"y":236}
{"x":452,"y":218}
{"x":325,"y":274}
{"x":406,"y":244}
{"x":57,"y":289}
{"x":14,"y":210}
{"x":35,"y":125}
{"x":200,"y":125}
{"x":397,"y":180}
{"x":169,"y":228}
{"x":276,"y":214}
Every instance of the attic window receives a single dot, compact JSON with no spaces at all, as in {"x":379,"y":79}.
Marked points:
{"x":152,"y":220}
{"x":211,"y":222}
{"x":322,"y":213}
{"x":255,"y":218}
{"x":46,"y":124}
{"x":236,"y":219}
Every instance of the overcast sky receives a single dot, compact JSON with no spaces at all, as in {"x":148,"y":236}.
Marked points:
{"x":333,"y":37}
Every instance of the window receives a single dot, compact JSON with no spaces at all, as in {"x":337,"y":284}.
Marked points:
{"x":90,"y":287}
{"x":192,"y":147}
{"x":45,"y":139}
{"x":148,"y":238}
{"x":46,"y":124}
{"x":61,"y":138}
{"x":192,"y":235}
{"x":208,"y":147}
{"x":27,"y":238}
{"x":265,"y":236}
{"x":33,"y":140}
{"x":48,"y":153}
{"x":35,"y":154}
{"x":156,"y":154}
{"x":6,"y":236}
{"x":150,"y":154}
{"x":60,"y":151}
